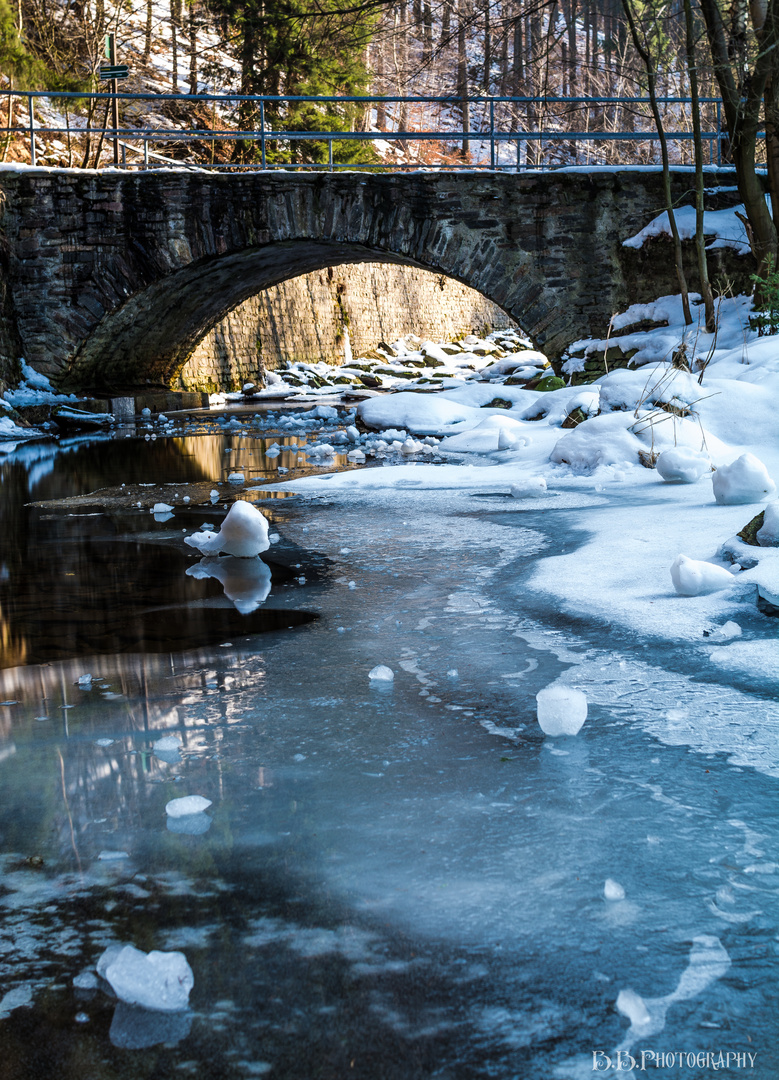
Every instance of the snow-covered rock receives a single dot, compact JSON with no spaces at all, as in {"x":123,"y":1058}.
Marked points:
{"x":244,"y":533}
{"x":692,"y":577}
{"x":560,"y":709}
{"x":157,"y":980}
{"x":682,"y":465}
{"x":746,"y":480}
{"x":188,"y":804}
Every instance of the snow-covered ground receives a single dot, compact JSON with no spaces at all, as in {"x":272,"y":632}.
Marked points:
{"x":633,"y":523}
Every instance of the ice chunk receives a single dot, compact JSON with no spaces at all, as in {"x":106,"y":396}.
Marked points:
{"x":244,"y":533}
{"x":236,"y":478}
{"x":768,"y":533}
{"x":214,"y":496}
{"x":561,"y":710}
{"x":612,"y":890}
{"x":86,"y":980}
{"x":85,"y":681}
{"x":682,"y":465}
{"x":530,"y":487}
{"x":692,"y":577}
{"x":161,"y":508}
{"x":746,"y":480}
{"x":158,"y":980}
{"x":381,"y":673}
{"x":726,"y":632}
{"x":189,"y":804}
{"x":632,"y":1005}
{"x":167,"y":742}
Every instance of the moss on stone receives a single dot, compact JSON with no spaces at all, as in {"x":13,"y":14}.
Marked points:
{"x":749,"y":533}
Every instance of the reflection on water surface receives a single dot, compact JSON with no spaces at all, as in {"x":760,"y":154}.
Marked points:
{"x":391,"y":884}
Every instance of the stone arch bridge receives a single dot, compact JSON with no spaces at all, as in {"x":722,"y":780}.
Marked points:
{"x":112,"y":278}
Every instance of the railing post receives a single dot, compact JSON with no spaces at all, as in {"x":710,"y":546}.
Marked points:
{"x":330,"y":153}
{"x":32,"y":129}
{"x":492,"y":134}
{"x":262,"y":132}
{"x":145,"y":153}
{"x":719,"y":134}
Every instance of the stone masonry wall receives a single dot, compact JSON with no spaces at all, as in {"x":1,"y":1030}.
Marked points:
{"x":307,"y":318}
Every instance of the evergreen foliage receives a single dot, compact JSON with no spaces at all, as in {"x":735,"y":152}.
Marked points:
{"x":766,"y":317}
{"x":293,"y":48}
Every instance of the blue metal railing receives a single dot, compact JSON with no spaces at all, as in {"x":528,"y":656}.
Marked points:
{"x":505,"y":121}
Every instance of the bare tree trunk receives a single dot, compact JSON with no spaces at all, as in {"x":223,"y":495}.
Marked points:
{"x":147,"y":32}
{"x":700,"y":240}
{"x":427,"y":35}
{"x":487,"y":46}
{"x":192,"y":50}
{"x":651,"y":69}
{"x":174,"y":18}
{"x":462,"y":74}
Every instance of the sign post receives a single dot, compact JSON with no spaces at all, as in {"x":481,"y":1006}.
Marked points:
{"x":113,"y":73}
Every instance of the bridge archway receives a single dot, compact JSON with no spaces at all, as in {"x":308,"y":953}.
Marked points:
{"x":150,"y":338}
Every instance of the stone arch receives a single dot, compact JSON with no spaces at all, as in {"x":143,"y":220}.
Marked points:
{"x":149,"y":338}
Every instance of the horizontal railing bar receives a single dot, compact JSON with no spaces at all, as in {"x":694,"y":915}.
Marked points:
{"x":173,"y":135}
{"x":452,"y":99}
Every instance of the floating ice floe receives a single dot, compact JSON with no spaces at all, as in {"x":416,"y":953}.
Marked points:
{"x":561,"y":710}
{"x":381,"y":673}
{"x":159,"y":981}
{"x":244,"y":533}
{"x":692,"y":577}
{"x":746,"y":480}
{"x":161,"y":508}
{"x":188,"y":804}
{"x":682,"y":465}
{"x":85,"y":682}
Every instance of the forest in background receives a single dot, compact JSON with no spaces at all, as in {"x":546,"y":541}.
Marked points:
{"x":466,"y":48}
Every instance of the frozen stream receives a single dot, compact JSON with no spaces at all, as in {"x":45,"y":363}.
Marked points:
{"x":396,"y":882}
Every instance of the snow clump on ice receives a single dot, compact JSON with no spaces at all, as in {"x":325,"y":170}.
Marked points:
{"x":745,"y":481}
{"x":691,"y":577}
{"x":532,"y":487}
{"x":159,"y":981}
{"x":244,"y":533}
{"x":561,"y":710}
{"x":682,"y":465}
{"x":612,"y":890}
{"x":381,"y":673}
